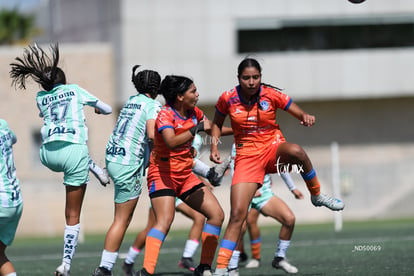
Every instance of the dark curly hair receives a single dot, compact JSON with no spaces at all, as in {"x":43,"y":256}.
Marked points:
{"x":146,"y":81}
{"x":36,"y":64}
{"x":172,"y":86}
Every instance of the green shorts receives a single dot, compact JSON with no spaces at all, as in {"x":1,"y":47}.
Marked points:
{"x":127,"y":180}
{"x":69,"y":158}
{"x":259,"y":202}
{"x":9,"y":219}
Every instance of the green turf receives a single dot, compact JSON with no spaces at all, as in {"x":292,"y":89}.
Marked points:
{"x":361,"y":248}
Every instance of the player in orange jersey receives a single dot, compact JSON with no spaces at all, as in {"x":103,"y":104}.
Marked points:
{"x":260,"y":148}
{"x":170,"y":173}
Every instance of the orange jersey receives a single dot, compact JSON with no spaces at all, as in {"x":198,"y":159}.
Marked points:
{"x":254,"y":126}
{"x":179,"y":159}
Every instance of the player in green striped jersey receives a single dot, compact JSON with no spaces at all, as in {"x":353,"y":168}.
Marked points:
{"x":64,"y":132}
{"x":127,"y":155}
{"x":11,"y":202}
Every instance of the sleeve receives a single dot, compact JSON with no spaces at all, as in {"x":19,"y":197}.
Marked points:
{"x":221,"y":105}
{"x":153,"y":110}
{"x":164,"y":120}
{"x":87,"y":98}
{"x":103,"y":107}
{"x":288,"y":181}
{"x":282,"y":100}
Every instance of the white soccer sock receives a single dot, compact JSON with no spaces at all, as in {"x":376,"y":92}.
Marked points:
{"x":11,"y":274}
{"x":200,"y":168}
{"x":190,"y":248}
{"x":108,"y":259}
{"x":282,"y":247}
{"x":132,"y":255}
{"x":70,"y":241}
{"x":234,"y":260}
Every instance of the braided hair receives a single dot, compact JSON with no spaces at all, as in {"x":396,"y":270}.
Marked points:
{"x":38,"y":65}
{"x":172,"y":86}
{"x":146,"y":81}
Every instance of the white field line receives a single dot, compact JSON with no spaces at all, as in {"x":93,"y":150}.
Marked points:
{"x":377,"y":240}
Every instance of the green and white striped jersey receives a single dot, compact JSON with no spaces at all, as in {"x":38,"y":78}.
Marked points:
{"x":10,"y":195}
{"x":63,"y":115}
{"x":128,"y":143}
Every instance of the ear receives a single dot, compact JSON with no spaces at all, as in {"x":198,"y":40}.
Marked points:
{"x":180,"y":97}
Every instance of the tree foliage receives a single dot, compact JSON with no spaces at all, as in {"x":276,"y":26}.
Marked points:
{"x":16,"y":27}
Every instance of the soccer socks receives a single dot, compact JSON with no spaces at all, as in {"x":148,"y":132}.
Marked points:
{"x":312,"y":182}
{"x":226,"y":250}
{"x":153,"y":244}
{"x":132,"y":255}
{"x":234,"y":260}
{"x":70,"y":240}
{"x":108,"y":259}
{"x":190,"y":248}
{"x":282,"y":247}
{"x":209,"y":239}
{"x":200,"y":168}
{"x":255,"y":248}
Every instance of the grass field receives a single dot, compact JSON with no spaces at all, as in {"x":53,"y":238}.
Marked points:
{"x":361,"y":248}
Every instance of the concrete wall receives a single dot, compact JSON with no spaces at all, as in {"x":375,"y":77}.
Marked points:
{"x":199,"y":39}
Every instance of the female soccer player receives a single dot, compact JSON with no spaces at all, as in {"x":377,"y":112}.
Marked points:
{"x":214,"y":175}
{"x":126,"y":154}
{"x":261,"y":148}
{"x":64,"y":133}
{"x":267,"y":203}
{"x":191,"y":244}
{"x":170,"y":173}
{"x":11,"y":201}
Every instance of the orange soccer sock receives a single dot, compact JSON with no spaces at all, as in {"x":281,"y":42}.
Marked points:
{"x":209,"y":239}
{"x":255,"y":248}
{"x":312,"y":182}
{"x":153,"y":244}
{"x":225,"y":252}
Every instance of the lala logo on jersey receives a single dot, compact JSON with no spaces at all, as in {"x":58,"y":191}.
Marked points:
{"x":264,"y":105}
{"x":179,"y":126}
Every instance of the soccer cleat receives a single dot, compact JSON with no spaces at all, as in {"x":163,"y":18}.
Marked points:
{"x":62,"y":270}
{"x":187,"y":263}
{"x":253,"y":263}
{"x":233,"y":271}
{"x":327,"y":201}
{"x":128,"y":269}
{"x":203,"y":270}
{"x":243,"y":257}
{"x":102,"y":271}
{"x":221,"y":272}
{"x":143,"y":272}
{"x":216,"y":173}
{"x":282,"y":263}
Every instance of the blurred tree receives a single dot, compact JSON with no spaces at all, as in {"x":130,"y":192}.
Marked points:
{"x":16,"y":27}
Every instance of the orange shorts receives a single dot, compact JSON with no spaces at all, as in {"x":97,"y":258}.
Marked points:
{"x":252,"y":168}
{"x":171,"y":183}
